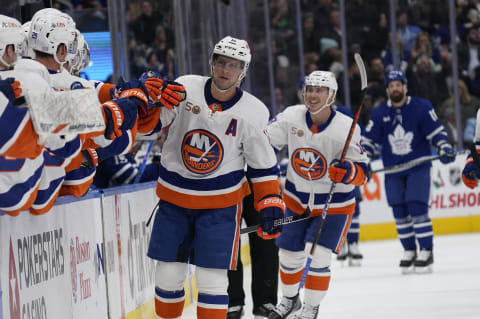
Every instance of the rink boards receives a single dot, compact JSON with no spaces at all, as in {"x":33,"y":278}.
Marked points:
{"x":454,"y":208}
{"x":87,"y":257}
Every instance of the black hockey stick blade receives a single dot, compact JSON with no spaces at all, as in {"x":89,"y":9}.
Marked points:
{"x":280,"y":221}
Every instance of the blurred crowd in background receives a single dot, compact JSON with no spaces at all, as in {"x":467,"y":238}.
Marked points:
{"x":423,"y":40}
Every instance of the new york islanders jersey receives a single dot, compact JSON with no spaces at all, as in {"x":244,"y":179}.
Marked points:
{"x":311,"y":153}
{"x":404,"y":133}
{"x":208,"y":145}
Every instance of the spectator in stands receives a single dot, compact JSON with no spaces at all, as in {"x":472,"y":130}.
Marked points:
{"x":426,"y":83}
{"x":387,"y":57}
{"x":423,"y":46}
{"x":469,"y":105}
{"x":468,"y":55}
{"x":311,"y":39}
{"x":376,"y":80}
{"x":144,"y":27}
{"x":332,"y":30}
{"x":408,"y":33}
{"x":163,"y":53}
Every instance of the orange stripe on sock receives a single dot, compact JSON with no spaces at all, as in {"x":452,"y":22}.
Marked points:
{"x":291,"y":279}
{"x":317,"y":282}
{"x":205,"y":313}
{"x":169,"y":310}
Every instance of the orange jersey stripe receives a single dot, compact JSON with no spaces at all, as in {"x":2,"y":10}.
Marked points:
{"x":202,"y":202}
{"x":46,"y":208}
{"x":345,"y":231}
{"x":25,"y":145}
{"x":317,"y":282}
{"x":297,"y":208}
{"x":233,"y":262}
{"x":27,"y":205}
{"x":169,"y":310}
{"x":291,"y":279}
{"x":77,"y":190}
{"x":204,"y":313}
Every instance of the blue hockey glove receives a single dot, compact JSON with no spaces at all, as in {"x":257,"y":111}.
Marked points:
{"x":270,"y":207}
{"x":470,"y":173}
{"x":446,"y":152}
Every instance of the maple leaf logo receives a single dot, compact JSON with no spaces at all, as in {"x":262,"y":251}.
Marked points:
{"x":400,"y":141}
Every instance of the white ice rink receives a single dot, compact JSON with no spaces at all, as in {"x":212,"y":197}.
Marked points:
{"x":378,"y":290}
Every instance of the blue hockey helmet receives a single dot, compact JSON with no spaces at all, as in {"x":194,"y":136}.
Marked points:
{"x":149,"y":74}
{"x":395,"y":75}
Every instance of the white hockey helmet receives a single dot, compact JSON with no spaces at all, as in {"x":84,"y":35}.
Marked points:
{"x":322,"y":79}
{"x":11,"y":33}
{"x":25,"y":50}
{"x":82,"y":57}
{"x":236,"y":49}
{"x":50,"y":29}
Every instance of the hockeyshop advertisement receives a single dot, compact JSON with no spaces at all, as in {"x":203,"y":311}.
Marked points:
{"x":449,"y":197}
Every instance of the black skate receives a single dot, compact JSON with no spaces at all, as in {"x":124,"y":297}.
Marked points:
{"x":286,"y":307}
{"x":424,"y":262}
{"x":407,"y":261}
{"x":355,"y":257}
{"x":263,"y":311}
{"x":307,"y":312}
{"x":235,"y":312}
{"x":343,"y":254}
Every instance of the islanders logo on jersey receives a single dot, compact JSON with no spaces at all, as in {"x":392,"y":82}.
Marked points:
{"x":308,"y":160}
{"x":202,"y":151}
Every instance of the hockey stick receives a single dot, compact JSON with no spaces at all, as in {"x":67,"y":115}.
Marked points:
{"x":290,"y":219}
{"x":363,"y":76}
{"x":142,"y":166}
{"x":404,"y":166}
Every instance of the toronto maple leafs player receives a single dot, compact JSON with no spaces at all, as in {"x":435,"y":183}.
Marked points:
{"x":405,"y":128}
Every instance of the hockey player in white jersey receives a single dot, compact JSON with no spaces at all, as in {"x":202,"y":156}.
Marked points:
{"x":406,"y":127}
{"x":11,"y":41}
{"x":214,"y":133}
{"x":471,"y":171}
{"x":315,"y":135}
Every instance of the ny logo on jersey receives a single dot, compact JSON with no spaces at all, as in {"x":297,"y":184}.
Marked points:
{"x":202,"y":151}
{"x":309,"y":163}
{"x":400,"y":141}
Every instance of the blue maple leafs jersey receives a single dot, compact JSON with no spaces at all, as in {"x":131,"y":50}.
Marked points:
{"x":403,"y":133}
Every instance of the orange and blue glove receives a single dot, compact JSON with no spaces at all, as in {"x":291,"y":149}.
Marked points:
{"x":270,"y":208}
{"x":345,"y":172}
{"x":119,"y":115}
{"x":470,"y":173}
{"x":10,"y":88}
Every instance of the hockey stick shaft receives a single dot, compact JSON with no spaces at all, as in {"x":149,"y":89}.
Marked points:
{"x":363,"y":75}
{"x":404,"y":166}
{"x":142,"y":166}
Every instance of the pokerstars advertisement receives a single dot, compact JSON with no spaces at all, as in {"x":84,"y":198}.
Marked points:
{"x":449,"y":197}
{"x":51,"y":265}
